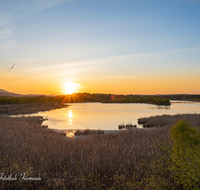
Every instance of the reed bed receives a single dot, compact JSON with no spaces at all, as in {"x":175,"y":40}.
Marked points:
{"x":111,"y":161}
{"x":164,"y":120}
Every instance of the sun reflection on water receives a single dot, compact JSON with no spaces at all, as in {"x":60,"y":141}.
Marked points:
{"x":70,"y":134}
{"x":70,"y":115}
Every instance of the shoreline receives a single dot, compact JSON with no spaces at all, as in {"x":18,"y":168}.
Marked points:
{"x":14,"y":109}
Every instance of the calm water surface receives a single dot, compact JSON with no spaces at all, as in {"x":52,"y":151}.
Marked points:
{"x":109,"y":116}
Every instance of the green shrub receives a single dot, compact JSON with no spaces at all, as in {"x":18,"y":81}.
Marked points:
{"x":179,"y":165}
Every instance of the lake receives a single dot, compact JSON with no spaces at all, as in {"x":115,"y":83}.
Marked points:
{"x":109,"y":116}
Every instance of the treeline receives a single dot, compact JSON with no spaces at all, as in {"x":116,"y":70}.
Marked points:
{"x":188,"y":97}
{"x":25,"y":100}
{"x":109,"y":98}
{"x":74,"y":98}
{"x":86,"y":97}
{"x":104,"y":98}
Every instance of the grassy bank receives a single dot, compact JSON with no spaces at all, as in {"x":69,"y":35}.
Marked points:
{"x":13,"y":109}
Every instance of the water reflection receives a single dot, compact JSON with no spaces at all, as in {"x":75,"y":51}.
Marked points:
{"x":163,"y":107}
{"x":70,"y":115}
{"x":109,"y":116}
{"x":70,"y":133}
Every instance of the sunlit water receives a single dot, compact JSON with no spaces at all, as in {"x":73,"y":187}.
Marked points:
{"x":109,"y":116}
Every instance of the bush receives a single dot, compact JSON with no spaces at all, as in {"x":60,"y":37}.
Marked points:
{"x":179,"y":165}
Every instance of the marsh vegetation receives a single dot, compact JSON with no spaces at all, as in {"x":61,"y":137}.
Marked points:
{"x":133,"y":159}
{"x":163,"y":120}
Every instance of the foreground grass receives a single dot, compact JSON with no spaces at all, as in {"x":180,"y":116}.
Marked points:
{"x":99,"y":162}
{"x":125,"y":160}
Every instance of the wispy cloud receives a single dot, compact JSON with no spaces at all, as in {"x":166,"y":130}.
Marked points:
{"x":32,"y":7}
{"x":6,"y":32}
{"x":4,"y":18}
{"x":121,"y":76}
{"x":7,"y":40}
{"x":7,"y":29}
{"x":182,"y":50}
{"x":10,"y":44}
{"x":132,"y":57}
{"x":58,"y":66}
{"x":60,"y":71}
{"x":135,"y":56}
{"x":10,"y":12}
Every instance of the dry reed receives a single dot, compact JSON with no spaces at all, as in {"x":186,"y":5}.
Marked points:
{"x":96,"y":161}
{"x":164,"y":120}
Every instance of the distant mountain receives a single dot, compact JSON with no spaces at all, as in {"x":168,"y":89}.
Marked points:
{"x":32,"y":95}
{"x":6,"y":93}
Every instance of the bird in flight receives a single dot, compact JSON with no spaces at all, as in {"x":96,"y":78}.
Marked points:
{"x":11,"y":67}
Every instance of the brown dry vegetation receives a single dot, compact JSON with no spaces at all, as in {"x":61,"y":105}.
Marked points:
{"x":88,"y":132}
{"x":96,"y":162}
{"x":121,"y":160}
{"x":158,"y":121}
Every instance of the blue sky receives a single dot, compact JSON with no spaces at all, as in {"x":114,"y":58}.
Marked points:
{"x":116,"y":46}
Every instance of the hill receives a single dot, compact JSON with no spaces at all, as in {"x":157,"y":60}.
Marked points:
{"x":6,"y":93}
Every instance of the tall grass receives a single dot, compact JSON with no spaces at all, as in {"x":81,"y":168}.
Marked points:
{"x":124,"y":160}
{"x":100,"y":162}
{"x":155,"y":121}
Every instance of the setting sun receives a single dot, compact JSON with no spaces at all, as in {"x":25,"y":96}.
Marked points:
{"x":70,"y":88}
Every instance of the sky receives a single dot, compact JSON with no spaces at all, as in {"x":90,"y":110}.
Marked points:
{"x":102,"y":46}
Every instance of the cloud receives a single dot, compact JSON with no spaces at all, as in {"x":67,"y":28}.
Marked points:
{"x":37,"y":5}
{"x":8,"y":45}
{"x":119,"y":57}
{"x":60,"y":72}
{"x":10,"y":11}
{"x":182,"y":50}
{"x":4,"y":18}
{"x":58,"y":66}
{"x":7,"y":29}
{"x":121,"y":76}
{"x":7,"y":40}
{"x":6,"y":32}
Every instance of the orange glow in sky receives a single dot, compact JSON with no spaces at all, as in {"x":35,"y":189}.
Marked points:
{"x":54,"y":47}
